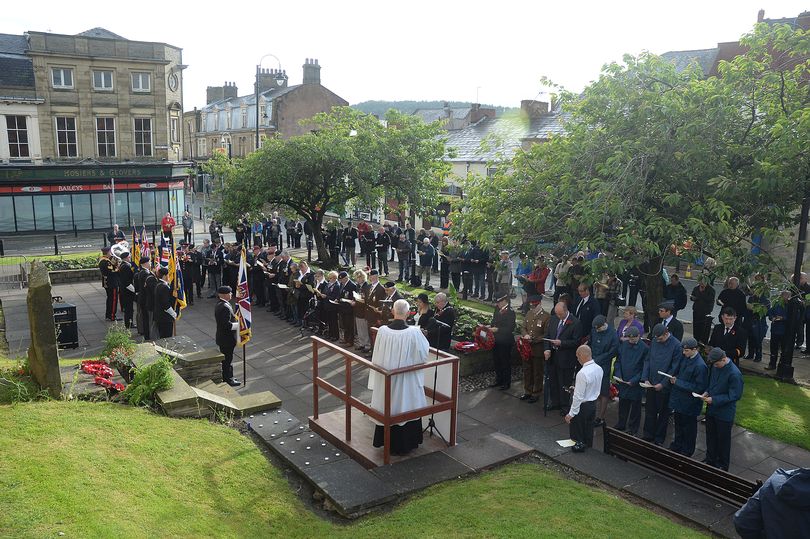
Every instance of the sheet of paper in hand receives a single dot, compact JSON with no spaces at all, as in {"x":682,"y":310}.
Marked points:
{"x":645,"y":384}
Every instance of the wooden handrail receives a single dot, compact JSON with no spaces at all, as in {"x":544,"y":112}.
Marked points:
{"x":443,"y":402}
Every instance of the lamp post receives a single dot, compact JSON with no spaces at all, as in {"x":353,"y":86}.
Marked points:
{"x":223,"y":141}
{"x":279,"y":78}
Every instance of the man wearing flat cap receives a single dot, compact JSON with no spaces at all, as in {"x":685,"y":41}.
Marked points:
{"x":666,"y":316}
{"x":391,"y":295}
{"x":665,"y":352}
{"x":630,"y":360}
{"x":604,"y":345}
{"x":691,"y":377}
{"x":725,"y":389}
{"x":227,"y":326}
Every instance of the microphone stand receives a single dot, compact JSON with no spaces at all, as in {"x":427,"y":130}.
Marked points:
{"x":431,"y":426}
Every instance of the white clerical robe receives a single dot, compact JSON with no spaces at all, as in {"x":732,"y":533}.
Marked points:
{"x":394,"y":349}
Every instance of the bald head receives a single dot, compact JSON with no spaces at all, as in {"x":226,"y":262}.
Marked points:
{"x":584,"y":354}
{"x":561,"y":309}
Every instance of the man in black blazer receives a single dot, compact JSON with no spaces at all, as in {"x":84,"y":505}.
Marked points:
{"x":347,"y":288}
{"x":227,"y":326}
{"x":164,"y":305}
{"x":666,"y":316}
{"x":439,"y":335}
{"x":586,"y":309}
{"x":564,"y":334}
{"x":729,"y":336}
{"x":142,"y":317}
{"x":126,"y":288}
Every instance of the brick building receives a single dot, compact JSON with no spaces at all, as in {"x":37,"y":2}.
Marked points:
{"x":228,"y":121}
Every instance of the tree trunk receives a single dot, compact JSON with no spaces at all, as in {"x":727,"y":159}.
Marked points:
{"x":654,"y":289}
{"x":317,"y":236}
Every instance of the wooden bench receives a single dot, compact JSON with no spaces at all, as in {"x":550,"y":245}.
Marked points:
{"x":712,"y":481}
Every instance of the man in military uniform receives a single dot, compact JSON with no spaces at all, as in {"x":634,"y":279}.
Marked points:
{"x":503,"y":326}
{"x":149,"y":285}
{"x":374,"y":300}
{"x":227,"y":326}
{"x":535,"y":324}
{"x":164,"y":305}
{"x":140,"y":291}
{"x":109,"y":280}
{"x":126,"y":288}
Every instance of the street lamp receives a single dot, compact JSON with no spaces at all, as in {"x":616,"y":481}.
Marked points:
{"x":227,"y":141}
{"x":279,"y":78}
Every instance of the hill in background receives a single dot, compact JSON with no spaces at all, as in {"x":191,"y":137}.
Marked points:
{"x":379,"y":108}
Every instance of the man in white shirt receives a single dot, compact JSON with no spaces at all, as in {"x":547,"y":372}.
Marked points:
{"x":583,"y":405}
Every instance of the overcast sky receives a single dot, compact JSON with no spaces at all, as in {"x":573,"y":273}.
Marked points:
{"x":418,"y":50}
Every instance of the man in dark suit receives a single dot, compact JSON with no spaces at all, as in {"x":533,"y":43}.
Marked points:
{"x":585,"y":311}
{"x":439,"y":334}
{"x":564,"y":334}
{"x":346,"y":291}
{"x":503,"y":326}
{"x":126,"y":288}
{"x":149,"y":285}
{"x":227,"y":326}
{"x":391,"y":295}
{"x":666,"y":316}
{"x":140,"y":284}
{"x":164,"y":305}
{"x":675,"y":292}
{"x":729,"y":336}
{"x":374,"y":299}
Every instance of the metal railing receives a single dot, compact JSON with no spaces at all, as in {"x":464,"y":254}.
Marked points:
{"x":442,"y":402}
{"x":14,"y":272}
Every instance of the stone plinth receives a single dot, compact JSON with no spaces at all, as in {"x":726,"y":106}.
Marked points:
{"x":194,"y":363}
{"x":43,"y":356}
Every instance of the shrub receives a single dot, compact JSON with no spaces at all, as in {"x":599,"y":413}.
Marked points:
{"x":148,"y":381}
{"x":119,"y":339}
{"x":85,"y":262}
{"x":16,"y":385}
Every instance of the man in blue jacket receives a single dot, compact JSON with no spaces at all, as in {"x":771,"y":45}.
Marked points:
{"x":665,"y":352}
{"x":690,"y":377}
{"x":725,"y":389}
{"x":604,"y":344}
{"x":779,"y":509}
{"x":632,"y":355}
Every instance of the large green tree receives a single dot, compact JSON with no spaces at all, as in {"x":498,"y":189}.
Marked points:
{"x":654,"y":157}
{"x":348,"y":157}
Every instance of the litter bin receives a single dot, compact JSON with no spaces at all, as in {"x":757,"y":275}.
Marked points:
{"x":67,"y":326}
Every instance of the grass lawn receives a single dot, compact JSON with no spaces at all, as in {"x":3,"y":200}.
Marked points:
{"x":103,"y":470}
{"x":778,"y":410}
{"x":476,"y":305}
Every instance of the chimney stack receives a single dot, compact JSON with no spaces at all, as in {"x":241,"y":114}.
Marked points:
{"x":534,"y":109}
{"x":214,"y":93}
{"x":270,"y":79}
{"x":231,"y":92}
{"x":761,"y":15}
{"x":312,"y":71}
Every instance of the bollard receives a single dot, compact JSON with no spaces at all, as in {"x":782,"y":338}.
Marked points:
{"x":75,"y":232}
{"x":2,"y":248}
{"x":309,"y":251}
{"x":55,"y":245}
{"x":200,"y":212}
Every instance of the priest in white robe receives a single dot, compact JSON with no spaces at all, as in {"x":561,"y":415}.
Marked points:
{"x":399,"y":345}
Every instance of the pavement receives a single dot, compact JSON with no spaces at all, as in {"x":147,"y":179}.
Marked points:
{"x":278,"y":358}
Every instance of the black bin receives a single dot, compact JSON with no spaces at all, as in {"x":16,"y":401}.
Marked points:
{"x":67,"y":326}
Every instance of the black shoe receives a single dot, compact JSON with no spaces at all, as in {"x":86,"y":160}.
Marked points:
{"x":233,"y":382}
{"x":758,"y":360}
{"x":578,"y":448}
{"x":495,"y":384}
{"x":525,"y":397}
{"x":505,"y":386}
{"x":748,"y":356}
{"x":770,"y":367}
{"x":806,"y":352}
{"x":532,"y":400}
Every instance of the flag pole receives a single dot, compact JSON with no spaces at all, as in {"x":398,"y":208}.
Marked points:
{"x":244,"y":366}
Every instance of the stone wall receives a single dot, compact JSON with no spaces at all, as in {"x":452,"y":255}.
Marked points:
{"x":74,"y":276}
{"x":43,"y":356}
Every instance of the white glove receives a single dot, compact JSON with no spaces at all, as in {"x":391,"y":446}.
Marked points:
{"x":235,"y":326}
{"x":131,"y":288}
{"x":171,"y":312}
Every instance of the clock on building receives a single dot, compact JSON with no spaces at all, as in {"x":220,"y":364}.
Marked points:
{"x":174,"y":82}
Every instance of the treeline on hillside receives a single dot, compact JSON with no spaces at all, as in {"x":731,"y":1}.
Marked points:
{"x":379,"y":108}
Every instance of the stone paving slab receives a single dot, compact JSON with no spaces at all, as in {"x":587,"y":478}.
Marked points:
{"x":488,"y":451}
{"x":274,"y":424}
{"x":608,"y":469}
{"x":306,"y":450}
{"x":681,"y":500}
{"x":420,"y":472}
{"x":350,"y":487}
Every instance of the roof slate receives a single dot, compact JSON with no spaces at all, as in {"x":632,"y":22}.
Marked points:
{"x":431,"y":115}
{"x":13,"y":44}
{"x":705,"y":58}
{"x":16,"y":73}
{"x":499,"y":138}
{"x":100,"y":32}
{"x":249,"y":99}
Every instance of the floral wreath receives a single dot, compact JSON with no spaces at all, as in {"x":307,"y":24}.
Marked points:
{"x":524,"y":348}
{"x":484,"y":337}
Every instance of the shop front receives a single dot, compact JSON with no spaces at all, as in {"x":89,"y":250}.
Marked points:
{"x":79,"y":198}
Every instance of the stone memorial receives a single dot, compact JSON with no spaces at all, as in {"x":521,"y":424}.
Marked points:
{"x":43,"y":356}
